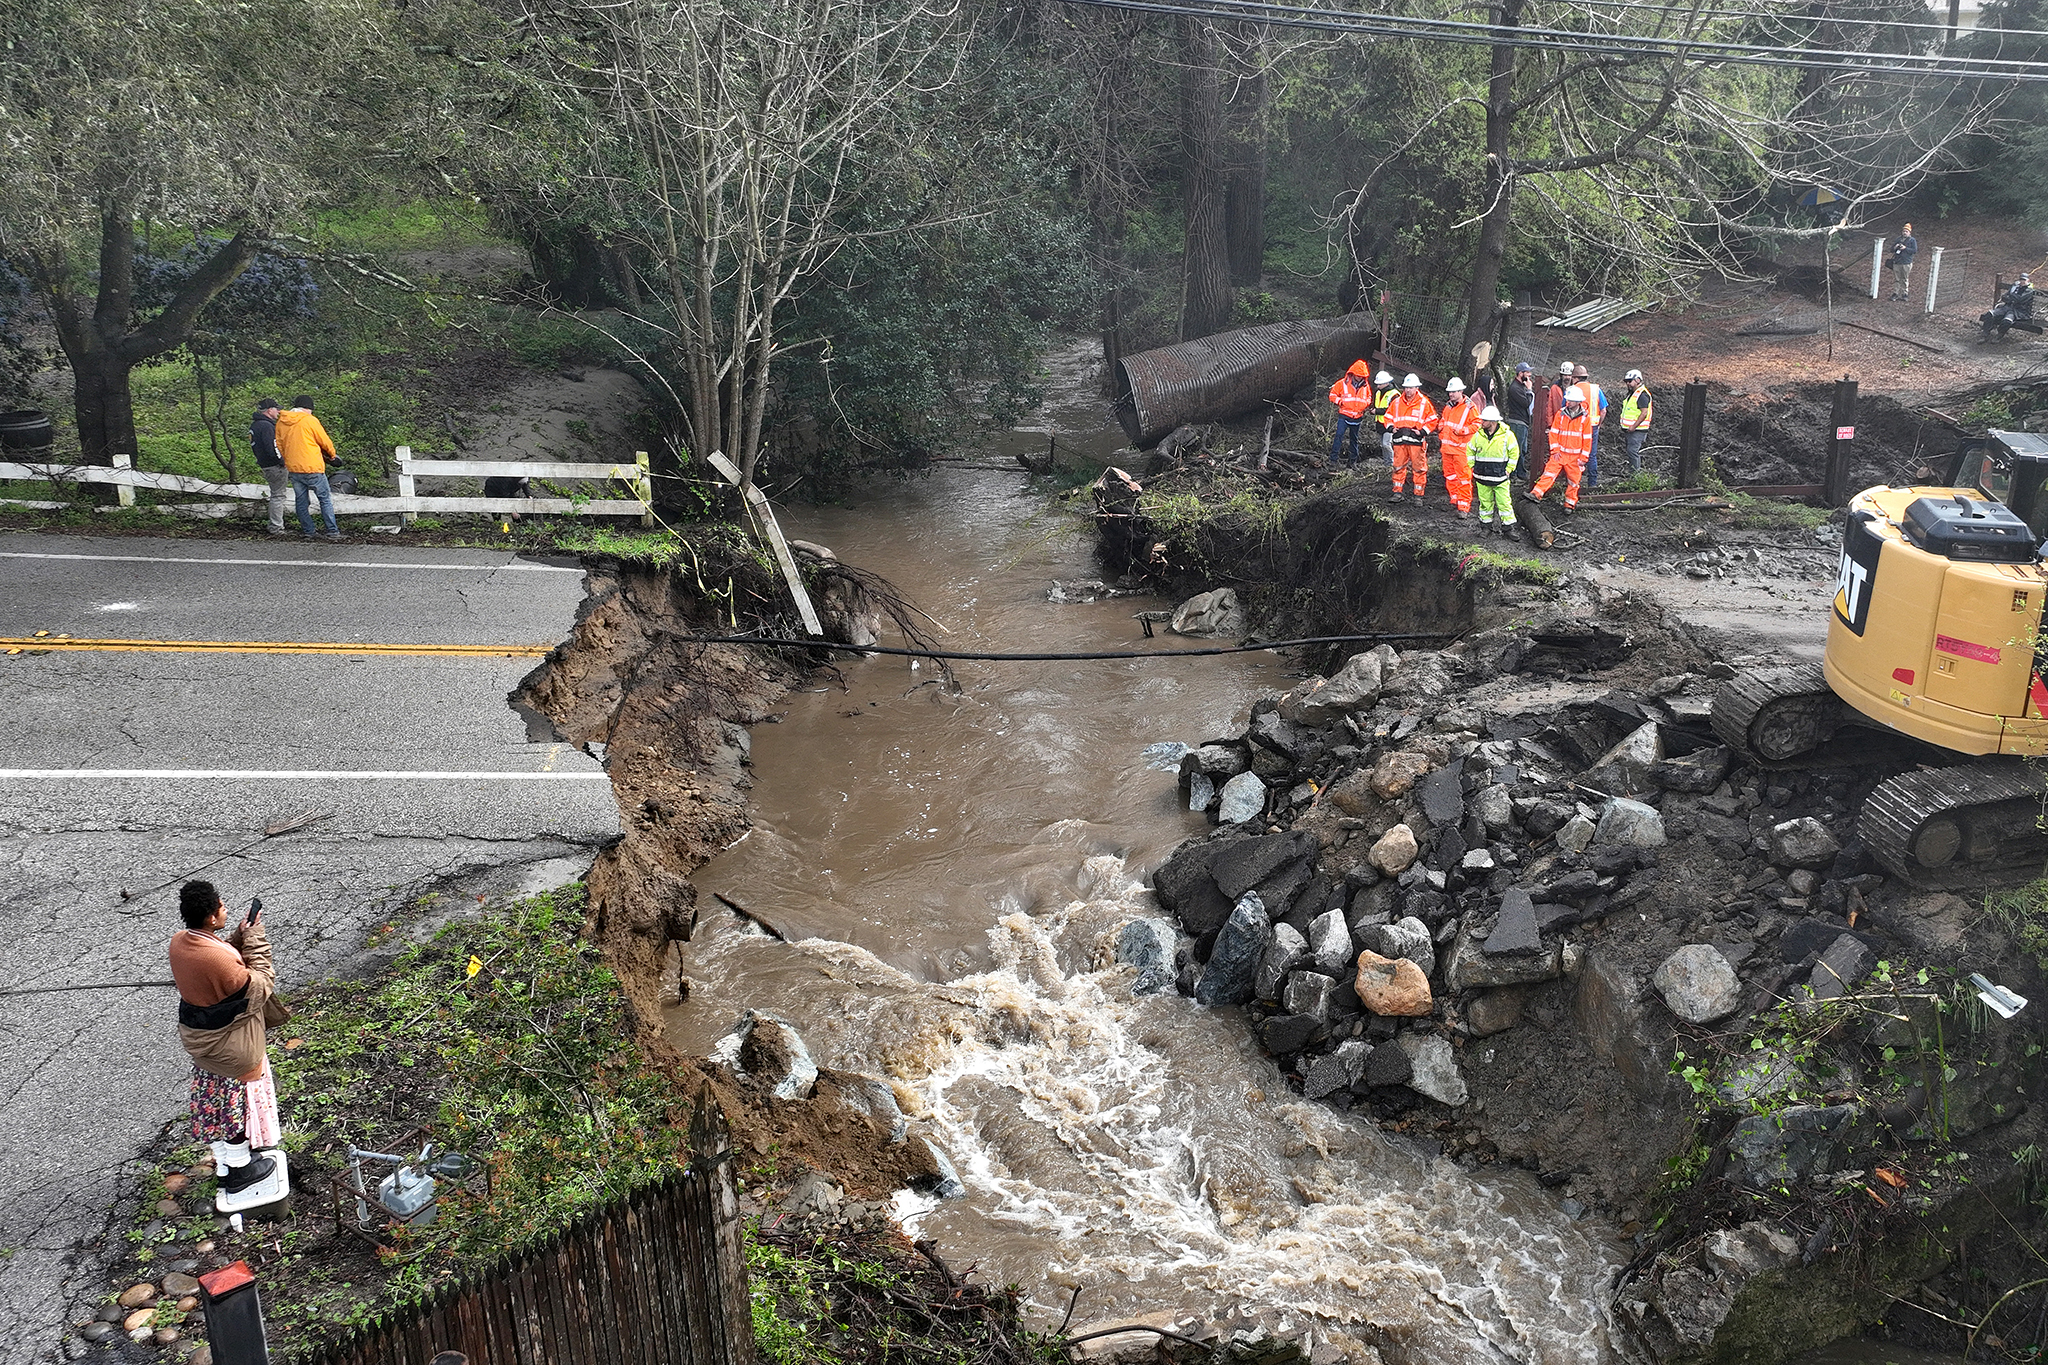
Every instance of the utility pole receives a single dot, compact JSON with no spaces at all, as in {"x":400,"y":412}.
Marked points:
{"x":1691,"y":430}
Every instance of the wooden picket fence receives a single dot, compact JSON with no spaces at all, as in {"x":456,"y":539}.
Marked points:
{"x":656,"y":1278}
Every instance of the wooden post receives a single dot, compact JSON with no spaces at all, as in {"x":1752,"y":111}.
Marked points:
{"x":1876,"y":265}
{"x":405,"y":484}
{"x":645,"y":483}
{"x":1692,"y":425}
{"x":1934,"y":277}
{"x":711,"y":1153}
{"x":1840,"y":438}
{"x":759,"y":502}
{"x":124,"y":493}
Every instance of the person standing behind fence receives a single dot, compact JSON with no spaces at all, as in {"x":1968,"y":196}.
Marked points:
{"x":263,"y":441}
{"x":1494,"y":453}
{"x":1460,"y":418}
{"x":1571,"y":440}
{"x":1903,"y":252}
{"x":224,"y":1004}
{"x":1635,"y":418}
{"x":1352,"y":393}
{"x":1410,"y":419}
{"x":305,"y":447}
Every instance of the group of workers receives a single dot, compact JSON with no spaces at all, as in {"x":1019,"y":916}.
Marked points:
{"x":1479,"y":447}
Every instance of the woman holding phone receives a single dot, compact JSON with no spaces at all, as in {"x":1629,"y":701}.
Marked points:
{"x":226,"y":999}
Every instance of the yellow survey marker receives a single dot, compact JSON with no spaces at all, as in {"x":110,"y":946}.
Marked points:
{"x":40,"y":643}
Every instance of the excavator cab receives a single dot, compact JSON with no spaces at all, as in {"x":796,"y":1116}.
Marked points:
{"x":2009,"y":467}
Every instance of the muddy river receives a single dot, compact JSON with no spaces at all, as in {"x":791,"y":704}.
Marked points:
{"x":951,"y":871}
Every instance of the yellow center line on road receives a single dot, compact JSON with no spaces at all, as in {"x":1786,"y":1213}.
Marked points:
{"x":40,"y":643}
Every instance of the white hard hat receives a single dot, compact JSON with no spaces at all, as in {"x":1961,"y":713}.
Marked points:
{"x":1383,"y":378}
{"x":1633,"y":374}
{"x":1575,"y":394}
{"x":1411,"y":382}
{"x":1565,"y":369}
{"x":1492,"y":414}
{"x":1456,"y":385}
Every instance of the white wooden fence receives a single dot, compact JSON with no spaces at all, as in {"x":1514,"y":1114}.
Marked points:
{"x":409,"y":502}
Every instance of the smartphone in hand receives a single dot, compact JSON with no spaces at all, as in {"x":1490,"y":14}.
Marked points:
{"x":255,"y":909}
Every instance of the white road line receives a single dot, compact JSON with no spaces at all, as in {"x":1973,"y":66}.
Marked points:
{"x":300,"y":775}
{"x":294,"y":563}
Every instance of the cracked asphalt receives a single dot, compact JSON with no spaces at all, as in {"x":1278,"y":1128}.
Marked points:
{"x":123,"y":771}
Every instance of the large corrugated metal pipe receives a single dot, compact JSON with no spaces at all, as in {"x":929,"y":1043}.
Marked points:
{"x":1232,"y":373}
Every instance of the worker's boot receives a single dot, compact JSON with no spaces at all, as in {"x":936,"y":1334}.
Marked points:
{"x":237,"y":1169}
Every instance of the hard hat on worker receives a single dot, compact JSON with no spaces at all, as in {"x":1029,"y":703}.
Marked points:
{"x":1456,"y":385}
{"x":1575,"y":394}
{"x":1358,"y":368}
{"x":1636,"y":375}
{"x":1580,"y":371}
{"x":1411,"y":382}
{"x":1492,"y":414}
{"x":1383,"y":378}
{"x":1565,"y":369}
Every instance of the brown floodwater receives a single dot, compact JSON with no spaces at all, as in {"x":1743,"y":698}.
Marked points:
{"x":951,"y":871}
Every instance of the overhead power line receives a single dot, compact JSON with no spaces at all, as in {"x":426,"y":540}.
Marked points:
{"x":1353,"y":23}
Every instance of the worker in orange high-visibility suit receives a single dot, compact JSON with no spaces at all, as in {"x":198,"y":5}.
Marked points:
{"x":1352,"y":393}
{"x":1454,"y":430}
{"x":1571,"y":441}
{"x":1410,"y":418}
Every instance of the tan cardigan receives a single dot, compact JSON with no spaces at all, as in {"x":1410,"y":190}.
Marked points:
{"x":204,"y":968}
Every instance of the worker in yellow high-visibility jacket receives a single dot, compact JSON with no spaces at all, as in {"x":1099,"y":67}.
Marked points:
{"x":1635,"y":418}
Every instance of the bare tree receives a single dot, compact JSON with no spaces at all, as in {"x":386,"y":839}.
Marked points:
{"x":732,"y":139}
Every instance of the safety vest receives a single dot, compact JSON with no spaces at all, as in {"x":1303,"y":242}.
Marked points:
{"x":1571,"y":438}
{"x":1635,"y":410}
{"x":1413,"y":417}
{"x":1455,"y":427}
{"x":1380,"y":399}
{"x":1494,"y":457}
{"x":1352,"y":396}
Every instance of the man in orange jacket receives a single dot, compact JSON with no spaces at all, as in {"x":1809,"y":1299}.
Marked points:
{"x":1352,"y":393}
{"x":1571,"y":441}
{"x":1454,"y":434}
{"x":305,"y":447}
{"x":1410,"y":418}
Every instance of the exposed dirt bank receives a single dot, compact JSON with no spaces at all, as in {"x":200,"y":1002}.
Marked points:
{"x":668,"y":718}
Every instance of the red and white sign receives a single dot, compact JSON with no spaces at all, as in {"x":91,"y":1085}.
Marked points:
{"x":1845,"y":433}
{"x":1966,"y":649}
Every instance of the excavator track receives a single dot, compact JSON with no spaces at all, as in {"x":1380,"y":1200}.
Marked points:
{"x":1778,"y":714}
{"x":1951,"y":828}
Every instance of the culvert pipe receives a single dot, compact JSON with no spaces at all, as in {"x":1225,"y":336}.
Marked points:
{"x":1222,"y":376}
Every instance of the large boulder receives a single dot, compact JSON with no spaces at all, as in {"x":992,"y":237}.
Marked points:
{"x":1248,"y":864}
{"x":1393,"y":987}
{"x":1629,"y":823}
{"x":1698,"y":984}
{"x":1422,"y":676}
{"x":1148,"y":945}
{"x":1796,"y":1143}
{"x":1396,"y":773}
{"x":1697,"y":773}
{"x":1324,"y":701}
{"x":1186,"y":889}
{"x":1845,"y":963}
{"x":1516,"y":932}
{"x":1471,"y":967}
{"x":1433,"y":1069}
{"x":1624,"y":770}
{"x":1804,"y":842}
{"x":1286,"y":949}
{"x":1329,"y":943}
{"x":1227,"y":979}
{"x":1309,"y":993}
{"x":1243,"y":798}
{"x":1208,"y":614}
{"x":767,"y":1048}
{"x":1395,"y":851}
{"x":1407,"y":937}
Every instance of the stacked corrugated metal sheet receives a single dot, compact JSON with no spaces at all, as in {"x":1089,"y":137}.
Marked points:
{"x":1595,"y":314}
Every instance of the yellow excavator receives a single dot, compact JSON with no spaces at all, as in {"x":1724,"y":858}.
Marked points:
{"x":1936,"y":639}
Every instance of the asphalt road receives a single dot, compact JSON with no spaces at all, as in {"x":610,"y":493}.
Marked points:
{"x":124,"y":769}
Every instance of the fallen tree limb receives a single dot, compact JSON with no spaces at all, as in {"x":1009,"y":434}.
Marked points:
{"x":1879,"y":331}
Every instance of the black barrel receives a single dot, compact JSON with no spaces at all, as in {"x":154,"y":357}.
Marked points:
{"x":26,"y":430}
{"x":1230,"y":373}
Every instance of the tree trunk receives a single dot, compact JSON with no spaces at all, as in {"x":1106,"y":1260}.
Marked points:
{"x":103,"y":407}
{"x":1482,"y":301}
{"x":1205,"y":253}
{"x":1246,"y":211}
